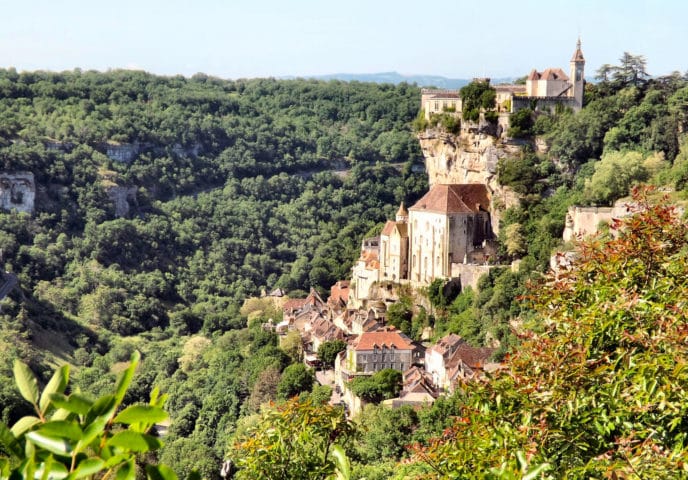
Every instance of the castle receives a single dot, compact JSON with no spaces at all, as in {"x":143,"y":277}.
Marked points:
{"x":543,"y":90}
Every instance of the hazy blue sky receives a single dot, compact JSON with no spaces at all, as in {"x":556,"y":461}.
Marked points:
{"x":257,"y":38}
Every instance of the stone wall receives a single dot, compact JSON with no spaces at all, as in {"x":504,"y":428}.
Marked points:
{"x":17,"y":191}
{"x":585,"y":221}
{"x":542,"y":104}
{"x":470,"y":274}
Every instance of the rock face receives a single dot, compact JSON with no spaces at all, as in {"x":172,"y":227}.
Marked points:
{"x":120,"y":197}
{"x":17,"y":191}
{"x":124,"y":153}
{"x":469,"y":158}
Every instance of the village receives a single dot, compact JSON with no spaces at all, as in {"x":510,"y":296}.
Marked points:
{"x":448,"y":234}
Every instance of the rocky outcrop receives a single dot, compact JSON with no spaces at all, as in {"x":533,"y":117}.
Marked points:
{"x":17,"y":191}
{"x":469,"y":158}
{"x":124,"y":152}
{"x":121,"y":198}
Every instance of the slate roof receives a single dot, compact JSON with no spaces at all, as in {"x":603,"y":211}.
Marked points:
{"x":454,"y":198}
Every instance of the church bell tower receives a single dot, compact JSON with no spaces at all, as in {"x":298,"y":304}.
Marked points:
{"x":577,"y":76}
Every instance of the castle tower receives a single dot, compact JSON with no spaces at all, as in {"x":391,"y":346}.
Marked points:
{"x":577,"y":76}
{"x":402,"y":213}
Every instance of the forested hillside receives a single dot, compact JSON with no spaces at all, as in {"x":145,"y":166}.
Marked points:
{"x":251,"y":184}
{"x":236,"y":190}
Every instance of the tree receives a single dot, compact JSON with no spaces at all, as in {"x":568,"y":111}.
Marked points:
{"x":631,"y":71}
{"x":72,"y":436}
{"x":381,"y":385}
{"x":596,"y":389}
{"x":514,"y":241}
{"x":614,"y":175}
{"x":295,"y":379}
{"x":604,"y":73}
{"x":328,"y":351}
{"x":294,"y":441}
{"x":477,"y":96}
{"x":521,"y":123}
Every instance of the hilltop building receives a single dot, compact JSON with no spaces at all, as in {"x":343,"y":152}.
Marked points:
{"x":544,"y":89}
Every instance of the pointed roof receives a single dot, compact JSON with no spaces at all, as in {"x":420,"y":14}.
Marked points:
{"x":402,"y":212}
{"x":388,"y":228}
{"x":578,"y":54}
{"x":454,"y":198}
{"x":548,"y":74}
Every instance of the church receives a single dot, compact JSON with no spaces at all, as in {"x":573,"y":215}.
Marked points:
{"x":450,"y":224}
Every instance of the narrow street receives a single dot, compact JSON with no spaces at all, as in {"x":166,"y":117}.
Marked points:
{"x":326,"y":377}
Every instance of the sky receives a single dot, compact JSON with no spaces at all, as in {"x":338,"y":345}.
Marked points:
{"x":273,"y":38}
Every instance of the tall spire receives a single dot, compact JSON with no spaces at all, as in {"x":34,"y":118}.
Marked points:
{"x":402,"y":213}
{"x":578,"y":54}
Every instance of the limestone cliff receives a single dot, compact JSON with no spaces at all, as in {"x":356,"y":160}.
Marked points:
{"x":469,"y":158}
{"x":17,"y":191}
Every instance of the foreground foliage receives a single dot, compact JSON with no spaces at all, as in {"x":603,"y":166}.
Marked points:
{"x":294,"y":440}
{"x":72,"y":436}
{"x":601,"y":390}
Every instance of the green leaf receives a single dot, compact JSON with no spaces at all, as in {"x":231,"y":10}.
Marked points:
{"x":8,"y":440}
{"x":87,"y":467}
{"x":193,"y":475}
{"x":58,"y":446}
{"x":341,"y":461}
{"x":24,"y":424}
{"x":51,"y":469}
{"x":74,"y":403}
{"x":115,"y":460}
{"x":126,"y":471}
{"x":61,"y":414}
{"x":26,"y":381}
{"x":134,"y":441}
{"x":160,"y":472}
{"x":535,"y":473}
{"x":61,"y":429}
{"x":57,"y":384}
{"x":125,"y":380}
{"x":104,"y":407}
{"x":97,"y":417}
{"x":141,"y":414}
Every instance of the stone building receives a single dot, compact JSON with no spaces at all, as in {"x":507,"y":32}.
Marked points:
{"x":452,"y":359}
{"x":446,"y":226}
{"x":449,"y":225}
{"x":436,"y":101}
{"x":378,"y":350}
{"x":394,"y":241}
{"x":365,"y":272}
{"x":545,"y":90}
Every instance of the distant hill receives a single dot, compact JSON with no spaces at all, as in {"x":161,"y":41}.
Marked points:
{"x":396,"y":78}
